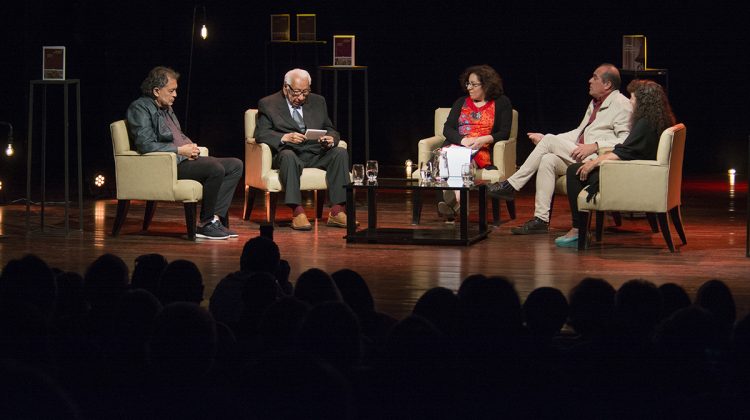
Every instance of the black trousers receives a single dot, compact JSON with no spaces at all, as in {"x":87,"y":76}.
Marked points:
{"x":335,"y":161}
{"x":575,"y":186}
{"x":219,"y":177}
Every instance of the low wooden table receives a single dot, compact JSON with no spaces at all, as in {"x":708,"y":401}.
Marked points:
{"x":463,"y":235}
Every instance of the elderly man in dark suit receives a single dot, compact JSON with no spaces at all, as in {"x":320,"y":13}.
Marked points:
{"x":283,"y":119}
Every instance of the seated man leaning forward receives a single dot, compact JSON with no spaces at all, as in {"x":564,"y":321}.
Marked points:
{"x":283,"y":119}
{"x":605,"y":124}
{"x":153,"y":126}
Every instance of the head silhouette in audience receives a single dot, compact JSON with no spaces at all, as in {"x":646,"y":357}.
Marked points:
{"x":147,"y":272}
{"x":260,"y":254}
{"x":29,"y":280}
{"x":545,"y":311}
{"x":355,"y":293}
{"x":315,"y":286}
{"x":281,"y":324}
{"x":674,"y":297}
{"x":331,"y":331}
{"x":261,"y":291}
{"x":181,"y":281}
{"x":638,"y":308}
{"x":439,"y":305}
{"x":592,"y":304}
{"x":183,"y":344}
{"x":489,"y":306}
{"x":715,"y":297}
{"x":105,"y":281}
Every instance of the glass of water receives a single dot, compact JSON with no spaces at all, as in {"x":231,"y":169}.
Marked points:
{"x":425,"y":171}
{"x":358,"y":173}
{"x":468,"y":171}
{"x":372,"y":170}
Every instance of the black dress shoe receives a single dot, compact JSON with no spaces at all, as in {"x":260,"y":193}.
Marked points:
{"x":535,"y":225}
{"x":502,"y":191}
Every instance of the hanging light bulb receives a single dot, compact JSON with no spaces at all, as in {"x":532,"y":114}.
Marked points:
{"x":204,"y":32}
{"x":9,"y":151}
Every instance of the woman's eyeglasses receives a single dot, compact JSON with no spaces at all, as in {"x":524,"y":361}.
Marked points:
{"x":472,"y":85}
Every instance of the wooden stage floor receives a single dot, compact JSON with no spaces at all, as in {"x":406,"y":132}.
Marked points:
{"x":714,"y":215}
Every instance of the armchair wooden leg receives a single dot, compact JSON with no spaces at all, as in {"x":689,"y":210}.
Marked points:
{"x":584,"y":220}
{"x":617,"y":217}
{"x":599,"y":225}
{"x":320,"y":199}
{"x":652,"y":222}
{"x":674,"y":214}
{"x":122,"y":213}
{"x":250,"y":194}
{"x":662,"y":217}
{"x":148,"y":216}
{"x":271,"y":199}
{"x":511,"y":205}
{"x":496,"y":211}
{"x":190,"y":211}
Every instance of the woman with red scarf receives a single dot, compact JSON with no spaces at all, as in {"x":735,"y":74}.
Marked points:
{"x":476,"y":121}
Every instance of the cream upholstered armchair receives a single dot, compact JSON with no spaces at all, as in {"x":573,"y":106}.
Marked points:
{"x":260,"y":178}
{"x":503,"y":157}
{"x":150,"y":177}
{"x":651,"y":186}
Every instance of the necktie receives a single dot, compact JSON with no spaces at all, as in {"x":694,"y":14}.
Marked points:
{"x":298,"y":118}
{"x":597,"y":105}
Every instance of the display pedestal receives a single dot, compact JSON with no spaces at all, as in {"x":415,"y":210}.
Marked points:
{"x":66,"y":84}
{"x":349,"y":70}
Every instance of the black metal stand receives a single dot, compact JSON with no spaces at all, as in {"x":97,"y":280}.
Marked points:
{"x":66,"y":128}
{"x":349,"y":70}
{"x":648,"y":73}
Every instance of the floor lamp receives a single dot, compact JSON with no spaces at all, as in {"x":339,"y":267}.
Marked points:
{"x":204,"y":35}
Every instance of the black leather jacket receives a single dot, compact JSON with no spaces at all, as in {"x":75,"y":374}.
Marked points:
{"x":147,"y":127}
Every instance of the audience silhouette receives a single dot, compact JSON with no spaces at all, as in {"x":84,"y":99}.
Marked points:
{"x":101,"y":346}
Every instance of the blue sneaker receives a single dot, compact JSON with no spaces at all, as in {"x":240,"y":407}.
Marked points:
{"x":211,"y":231}
{"x":567,"y":241}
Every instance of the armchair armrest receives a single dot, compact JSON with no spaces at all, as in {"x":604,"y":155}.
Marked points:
{"x":504,"y":157}
{"x":631,"y":185}
{"x":426,"y":146}
{"x":137,"y":175}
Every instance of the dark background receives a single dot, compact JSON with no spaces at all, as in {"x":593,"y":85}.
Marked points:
{"x":415,"y":50}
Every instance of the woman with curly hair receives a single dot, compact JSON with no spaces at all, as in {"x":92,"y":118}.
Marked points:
{"x":476,"y":120}
{"x":652,"y":114}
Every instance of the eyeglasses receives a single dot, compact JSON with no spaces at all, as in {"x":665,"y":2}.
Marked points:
{"x":471,"y":85}
{"x":297,"y":92}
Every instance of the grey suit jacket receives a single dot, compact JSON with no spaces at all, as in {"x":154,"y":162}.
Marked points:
{"x":275,"y":120}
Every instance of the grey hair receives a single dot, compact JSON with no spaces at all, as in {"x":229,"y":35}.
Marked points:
{"x":297,"y":74}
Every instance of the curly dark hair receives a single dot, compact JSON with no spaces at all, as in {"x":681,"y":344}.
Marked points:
{"x":491,"y":81}
{"x":651,"y":104}
{"x":157,"y":78}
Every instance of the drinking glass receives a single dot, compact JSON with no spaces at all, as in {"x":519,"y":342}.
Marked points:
{"x":358,"y":173}
{"x":468,"y":171}
{"x":425,"y":171}
{"x":372,"y":170}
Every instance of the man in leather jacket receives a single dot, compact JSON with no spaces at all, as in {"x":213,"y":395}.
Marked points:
{"x":153,"y":127}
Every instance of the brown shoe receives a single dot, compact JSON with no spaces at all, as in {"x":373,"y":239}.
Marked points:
{"x":339,"y":220}
{"x":300,"y":222}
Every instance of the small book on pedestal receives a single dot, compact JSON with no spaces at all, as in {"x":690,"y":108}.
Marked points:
{"x":280,"y":27}
{"x":53,"y":63}
{"x":634,"y":52}
{"x":306,"y":27}
{"x":343,"y":50}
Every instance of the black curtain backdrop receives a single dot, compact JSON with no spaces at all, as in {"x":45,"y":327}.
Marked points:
{"x":545,"y":51}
